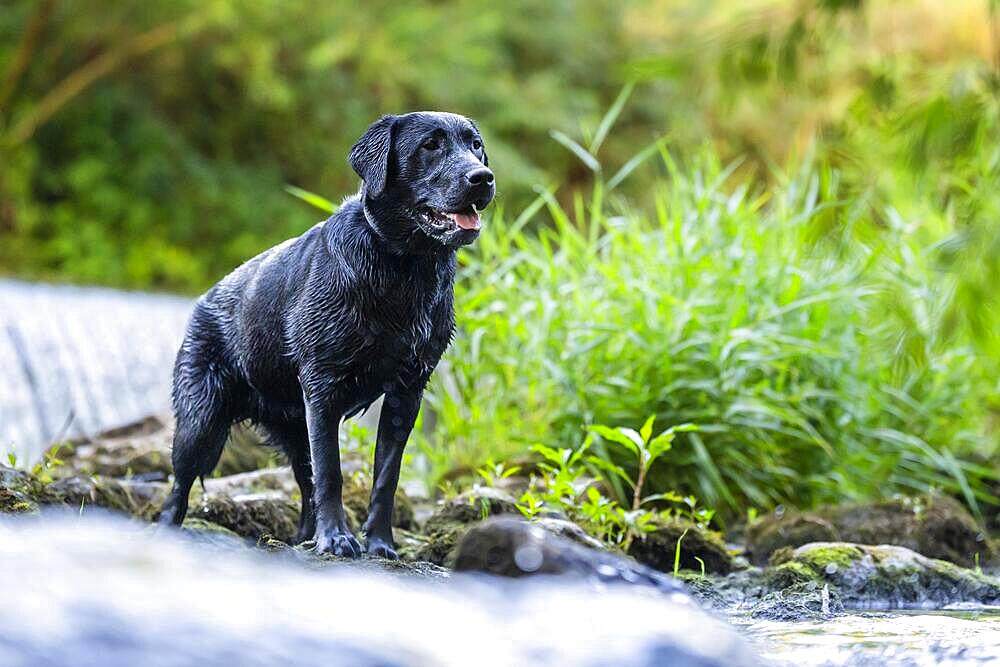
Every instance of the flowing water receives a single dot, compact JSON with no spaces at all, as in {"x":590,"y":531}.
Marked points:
{"x":77,"y":360}
{"x":96,"y":590}
{"x":903,"y":638}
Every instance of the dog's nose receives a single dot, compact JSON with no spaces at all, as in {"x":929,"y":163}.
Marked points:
{"x":479,"y":176}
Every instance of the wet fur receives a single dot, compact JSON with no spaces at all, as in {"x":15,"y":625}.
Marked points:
{"x":314,"y":330}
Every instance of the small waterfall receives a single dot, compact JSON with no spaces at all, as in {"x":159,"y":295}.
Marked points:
{"x":77,"y":360}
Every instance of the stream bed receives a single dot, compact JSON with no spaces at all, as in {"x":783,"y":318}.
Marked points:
{"x":99,"y":590}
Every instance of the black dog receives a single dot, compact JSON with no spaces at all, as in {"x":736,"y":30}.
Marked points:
{"x":314,"y":330}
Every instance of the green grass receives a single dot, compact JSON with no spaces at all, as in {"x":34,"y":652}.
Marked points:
{"x":799,"y":335}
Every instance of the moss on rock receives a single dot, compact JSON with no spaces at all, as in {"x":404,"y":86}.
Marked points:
{"x":935,"y":526}
{"x":657,"y":549}
{"x":357,"y":492}
{"x":444,"y":528}
{"x":17,"y":492}
{"x":251,"y":515}
{"x":786,"y":529}
{"x":131,"y":497}
{"x":886,"y":576}
{"x":802,"y":600}
{"x":789,"y":574}
{"x":143,"y":448}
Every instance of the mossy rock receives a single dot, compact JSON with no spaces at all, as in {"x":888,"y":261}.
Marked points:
{"x":789,"y":574}
{"x":357,"y":493}
{"x":657,"y":549}
{"x":880,"y":577}
{"x":305,"y":554}
{"x":143,"y":448}
{"x":278,"y":479}
{"x":443,"y":529}
{"x":132,"y":497}
{"x":935,"y":526}
{"x":703,"y":588}
{"x":196,"y":525}
{"x":787,"y":529}
{"x":252,"y":515}
{"x":18,"y":492}
{"x":802,"y":600}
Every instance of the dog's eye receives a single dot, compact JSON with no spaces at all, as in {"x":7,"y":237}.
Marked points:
{"x":476,"y":144}
{"x":431,"y":144}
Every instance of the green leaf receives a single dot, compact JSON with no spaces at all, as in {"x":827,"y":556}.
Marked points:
{"x":611,"y":468}
{"x":553,"y":455}
{"x":647,"y":429}
{"x":577,"y":150}
{"x":625,"y":437}
{"x":671,"y":496}
{"x":611,"y":116}
{"x":677,"y":552}
{"x":634,"y":162}
{"x":320,"y":202}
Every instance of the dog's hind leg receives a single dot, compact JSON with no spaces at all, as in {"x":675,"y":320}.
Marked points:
{"x":201,"y":432}
{"x":293,"y":439}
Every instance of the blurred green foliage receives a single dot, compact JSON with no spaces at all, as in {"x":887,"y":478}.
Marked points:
{"x":167,"y":169}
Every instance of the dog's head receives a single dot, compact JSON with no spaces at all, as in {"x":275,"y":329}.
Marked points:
{"x":426,"y":175}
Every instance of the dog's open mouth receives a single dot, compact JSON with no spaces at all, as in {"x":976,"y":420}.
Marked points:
{"x":467,"y":219}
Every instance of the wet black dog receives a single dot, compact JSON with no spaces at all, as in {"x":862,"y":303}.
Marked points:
{"x":314,"y":330}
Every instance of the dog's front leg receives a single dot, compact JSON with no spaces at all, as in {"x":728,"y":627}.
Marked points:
{"x":332,"y":532}
{"x":399,"y":412}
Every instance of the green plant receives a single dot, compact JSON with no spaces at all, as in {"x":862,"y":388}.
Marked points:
{"x":677,"y":553}
{"x":646,"y":450}
{"x":491,"y":472}
{"x":566,"y":486}
{"x":42,"y":471}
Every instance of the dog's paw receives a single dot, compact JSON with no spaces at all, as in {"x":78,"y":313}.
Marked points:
{"x":381,"y":549}
{"x":344,"y":545}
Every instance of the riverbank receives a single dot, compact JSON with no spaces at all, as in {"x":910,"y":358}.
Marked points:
{"x":789,"y":574}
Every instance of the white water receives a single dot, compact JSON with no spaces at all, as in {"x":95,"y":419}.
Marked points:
{"x":76,"y":360}
{"x":98,"y":591}
{"x":898,"y":639}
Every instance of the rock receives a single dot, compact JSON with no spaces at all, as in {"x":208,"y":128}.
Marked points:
{"x":935,"y":526}
{"x":444,"y":528}
{"x":17,"y":493}
{"x":131,"y":497}
{"x":570,"y":531}
{"x":888,"y":577}
{"x":305,"y":554}
{"x":809,"y":600}
{"x":357,"y":492}
{"x":212,"y":534}
{"x":657,"y":549}
{"x":254,"y":515}
{"x":143,"y":449}
{"x":512,"y":547}
{"x":786,"y":529}
{"x":278,"y":479}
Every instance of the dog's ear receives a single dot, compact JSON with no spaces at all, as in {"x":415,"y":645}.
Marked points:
{"x":370,"y":155}
{"x":486,"y":158}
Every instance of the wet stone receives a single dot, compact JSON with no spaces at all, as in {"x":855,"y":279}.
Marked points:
{"x":933,"y":525}
{"x":512,"y":547}
{"x":658,"y":548}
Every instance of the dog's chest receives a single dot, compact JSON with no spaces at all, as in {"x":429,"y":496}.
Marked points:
{"x":410,"y":327}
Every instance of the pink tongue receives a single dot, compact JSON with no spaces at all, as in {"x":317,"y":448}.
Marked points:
{"x":467,"y":220}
